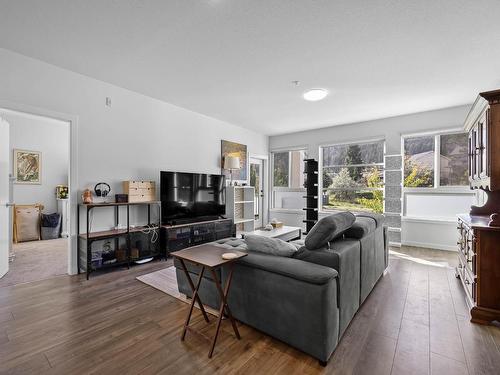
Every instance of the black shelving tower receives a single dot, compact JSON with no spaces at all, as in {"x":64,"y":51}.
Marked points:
{"x":311,"y":197}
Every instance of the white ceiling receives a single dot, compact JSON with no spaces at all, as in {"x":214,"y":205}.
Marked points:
{"x":235,"y":59}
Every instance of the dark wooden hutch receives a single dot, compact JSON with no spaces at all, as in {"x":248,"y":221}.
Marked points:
{"x":479,"y":239}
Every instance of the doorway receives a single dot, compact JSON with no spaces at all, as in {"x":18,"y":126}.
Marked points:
{"x":257,"y":181}
{"x":38,"y":200}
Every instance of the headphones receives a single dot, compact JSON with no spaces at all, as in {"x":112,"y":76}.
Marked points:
{"x":102,"y":192}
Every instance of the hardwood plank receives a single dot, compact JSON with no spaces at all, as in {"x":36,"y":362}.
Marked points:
{"x":445,"y":366}
{"x":378,"y":354}
{"x":480,"y":350}
{"x":412,"y":351}
{"x":33,"y":364}
{"x":445,"y":339}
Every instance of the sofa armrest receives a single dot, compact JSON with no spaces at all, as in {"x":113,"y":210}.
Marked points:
{"x":294,"y":268}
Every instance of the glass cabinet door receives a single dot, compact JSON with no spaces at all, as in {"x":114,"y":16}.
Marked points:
{"x":484,"y":146}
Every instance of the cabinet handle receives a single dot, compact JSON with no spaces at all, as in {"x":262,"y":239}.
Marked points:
{"x":467,"y":281}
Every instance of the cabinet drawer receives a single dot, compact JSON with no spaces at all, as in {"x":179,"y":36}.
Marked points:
{"x":467,"y":247}
{"x":468,"y":281}
{"x":141,"y":198}
{"x":141,"y":191}
{"x":138,"y":185}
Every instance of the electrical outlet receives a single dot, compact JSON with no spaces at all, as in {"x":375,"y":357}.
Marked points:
{"x":108,"y":101}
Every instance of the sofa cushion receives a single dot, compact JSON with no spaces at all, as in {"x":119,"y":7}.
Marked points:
{"x":328,"y":228}
{"x":365,"y":224}
{"x":272,"y":246}
{"x":231,"y":243}
{"x":195,"y":269}
{"x":294,"y":268}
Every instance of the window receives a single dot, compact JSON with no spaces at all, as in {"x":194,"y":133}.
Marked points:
{"x":424,"y":168}
{"x":352,"y":176}
{"x":453,"y":160}
{"x":288,"y":179}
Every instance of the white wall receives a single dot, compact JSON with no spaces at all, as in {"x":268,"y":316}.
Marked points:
{"x":391,"y":130}
{"x":135,"y":138}
{"x":51,"y":138}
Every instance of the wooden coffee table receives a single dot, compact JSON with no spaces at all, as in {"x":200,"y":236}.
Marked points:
{"x":209,"y":257}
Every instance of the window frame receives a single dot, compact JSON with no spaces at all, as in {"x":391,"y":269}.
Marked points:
{"x":283,"y":188}
{"x":350,"y":142}
{"x":437,"y":188}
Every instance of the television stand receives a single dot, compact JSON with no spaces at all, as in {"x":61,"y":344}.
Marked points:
{"x":199,"y":219}
{"x":180,"y":236}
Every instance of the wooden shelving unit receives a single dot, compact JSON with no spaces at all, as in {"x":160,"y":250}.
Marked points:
{"x":91,"y":259}
{"x":240,"y":207}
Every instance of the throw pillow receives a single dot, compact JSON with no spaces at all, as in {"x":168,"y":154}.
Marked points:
{"x":328,"y":228}
{"x":272,"y":246}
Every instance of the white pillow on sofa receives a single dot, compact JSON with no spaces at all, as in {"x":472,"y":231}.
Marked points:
{"x":271,"y":246}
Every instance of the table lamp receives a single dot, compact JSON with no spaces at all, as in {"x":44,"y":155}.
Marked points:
{"x":231,"y":163}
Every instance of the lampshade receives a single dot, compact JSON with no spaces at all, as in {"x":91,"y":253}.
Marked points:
{"x":231,"y":162}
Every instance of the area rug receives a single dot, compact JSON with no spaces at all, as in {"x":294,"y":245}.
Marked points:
{"x":166,"y":281}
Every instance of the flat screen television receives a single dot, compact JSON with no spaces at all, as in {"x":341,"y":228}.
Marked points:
{"x":189,"y":197}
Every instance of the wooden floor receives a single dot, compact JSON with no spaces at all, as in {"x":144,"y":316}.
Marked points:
{"x":414,"y":322}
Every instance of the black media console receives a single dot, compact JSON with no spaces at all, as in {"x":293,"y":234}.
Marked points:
{"x":180,"y":236}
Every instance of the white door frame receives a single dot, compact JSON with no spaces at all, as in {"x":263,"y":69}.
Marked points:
{"x":6,"y":230}
{"x":259,"y":192}
{"x":72,"y":170}
{"x":265,"y":187}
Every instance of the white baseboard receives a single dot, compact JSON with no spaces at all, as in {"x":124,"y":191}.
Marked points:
{"x":394,"y":244}
{"x":430,"y":245}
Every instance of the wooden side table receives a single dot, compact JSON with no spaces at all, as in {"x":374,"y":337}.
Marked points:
{"x":209,"y":257}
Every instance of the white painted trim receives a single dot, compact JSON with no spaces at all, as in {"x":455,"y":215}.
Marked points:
{"x":394,"y":229}
{"x":287,"y":211}
{"x":431,"y":132}
{"x":265,"y":187}
{"x":430,"y":245}
{"x":291,"y":148}
{"x":462,"y":190}
{"x":434,"y":220}
{"x":395,"y":244}
{"x":73,"y":169}
{"x":353,"y":141}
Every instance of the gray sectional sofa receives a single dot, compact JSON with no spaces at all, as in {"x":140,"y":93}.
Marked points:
{"x":309,"y":299}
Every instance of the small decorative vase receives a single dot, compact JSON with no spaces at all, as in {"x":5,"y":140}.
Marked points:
{"x":87,"y":196}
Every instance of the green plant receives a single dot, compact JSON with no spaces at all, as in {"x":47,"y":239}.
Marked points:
{"x":354,"y":157}
{"x":373,"y":180}
{"x":417,"y":175}
{"x":343,"y":183}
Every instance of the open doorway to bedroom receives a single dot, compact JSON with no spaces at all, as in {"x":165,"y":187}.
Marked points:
{"x":39,"y":152}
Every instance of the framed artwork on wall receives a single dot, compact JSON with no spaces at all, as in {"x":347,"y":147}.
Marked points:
{"x":27,"y":167}
{"x":238,"y":150}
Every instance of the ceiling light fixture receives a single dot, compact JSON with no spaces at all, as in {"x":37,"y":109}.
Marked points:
{"x":314,"y":95}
